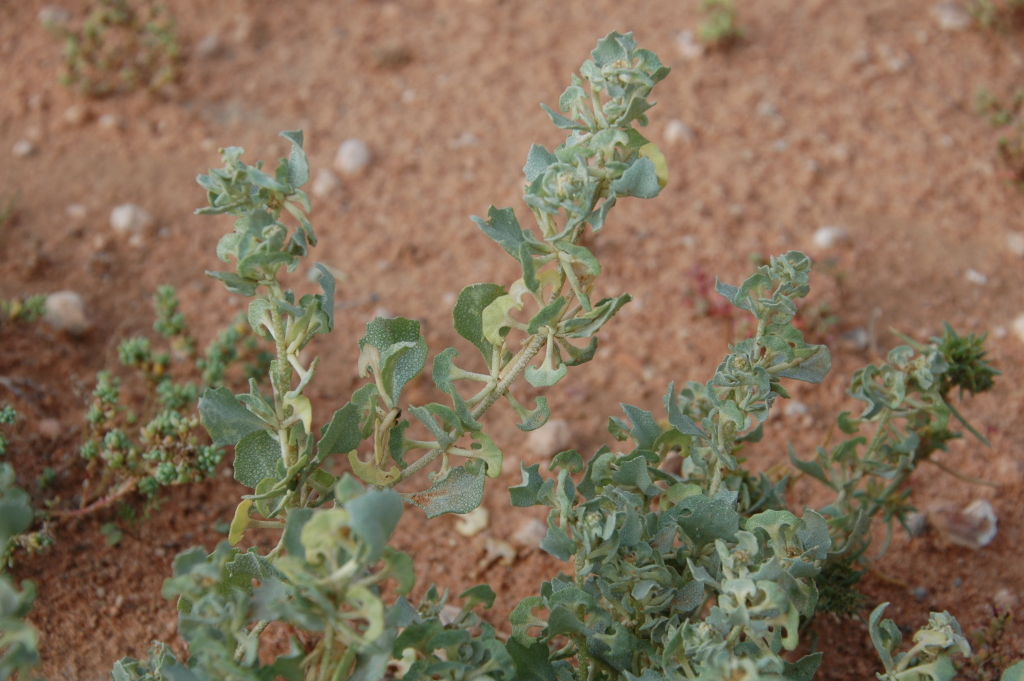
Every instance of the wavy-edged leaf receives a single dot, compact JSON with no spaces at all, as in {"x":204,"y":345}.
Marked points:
{"x":502,"y":226}
{"x":461,"y":491}
{"x":468,"y":312}
{"x":257,"y":456}
{"x":225,"y":418}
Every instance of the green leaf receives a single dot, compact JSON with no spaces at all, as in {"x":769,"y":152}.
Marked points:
{"x":403,"y":351}
{"x":885,"y":635}
{"x":556,"y":542}
{"x":400,"y":567}
{"x":590,"y":323}
{"x":639,"y":180}
{"x":225,"y":418}
{"x":489,"y":453}
{"x":703,"y":519}
{"x":569,"y":459}
{"x":502,"y":226}
{"x":811,"y":468}
{"x":461,"y":491}
{"x":537,"y":161}
{"x":522,"y":620}
{"x":531,"y":661}
{"x":468,"y":312}
{"x":1014,"y":672}
{"x":259,"y":317}
{"x":496,"y":319}
{"x":441,"y":374}
{"x":803,"y":669}
{"x":645,"y":429}
{"x":341,"y":435}
{"x":234,"y":283}
{"x":531,"y":420}
{"x":813,"y":369}
{"x":577,"y":355}
{"x":543,"y":377}
{"x":327,"y":285}
{"x":813,"y":534}
{"x":526,"y":494}
{"x":257,"y":456}
{"x":546,"y":315}
{"x":15,"y":514}
{"x":373,"y":516}
{"x":293,"y":524}
{"x":561,"y":121}
{"x":298,"y":164}
{"x":583,"y":256}
{"x":481,"y":593}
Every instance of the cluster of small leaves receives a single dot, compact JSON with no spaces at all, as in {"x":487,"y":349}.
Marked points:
{"x":168,"y":448}
{"x":120,"y":47}
{"x":28,"y":310}
{"x":7,"y":417}
{"x":18,"y":639}
{"x":929,"y":658}
{"x":1007,"y":118}
{"x":998,"y":15}
{"x":718,"y":27}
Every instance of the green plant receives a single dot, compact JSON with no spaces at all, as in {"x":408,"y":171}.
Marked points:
{"x":703,"y":574}
{"x":18,"y":639}
{"x":120,"y":47}
{"x":1010,"y":145}
{"x":28,"y":310}
{"x":718,"y":27}
{"x":1000,"y":15}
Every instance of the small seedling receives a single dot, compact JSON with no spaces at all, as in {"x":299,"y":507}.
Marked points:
{"x":121,"y":46}
{"x":718,"y":27}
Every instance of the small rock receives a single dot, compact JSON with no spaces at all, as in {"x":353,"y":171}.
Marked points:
{"x":530,"y":533}
{"x":474,"y":522}
{"x":689,"y":47}
{"x":767,"y":110}
{"x":352,"y":158}
{"x":920,"y":593}
{"x":466,"y":139}
{"x":77,"y":114}
{"x":550,"y":439}
{"x":999,"y":332}
{"x":101,"y":593}
{"x":796,"y":408}
{"x":392,"y":57}
{"x":1005,"y":601}
{"x":325,"y":183}
{"x":1015,"y":242}
{"x":54,"y":17}
{"x":408,"y":96}
{"x":76,"y":211}
{"x":830,"y":236}
{"x":975,"y":277}
{"x":951,"y":16}
{"x":917,"y":523}
{"x":23,"y":148}
{"x":110,"y":121}
{"x":973,"y":527}
{"x":65,"y":311}
{"x":210,"y":47}
{"x":1018,"y":327}
{"x":49,"y":428}
{"x":676,"y":131}
{"x":128,"y":217}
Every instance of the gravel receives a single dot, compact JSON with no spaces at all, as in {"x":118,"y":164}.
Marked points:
{"x":353,"y":157}
{"x":129,"y":217}
{"x":65,"y":311}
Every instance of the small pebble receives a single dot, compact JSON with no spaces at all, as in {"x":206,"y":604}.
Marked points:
{"x":473,"y":523}
{"x":110,"y":121}
{"x":49,"y":428}
{"x":408,"y":96}
{"x":689,"y":47}
{"x":54,"y":17}
{"x":553,"y":437}
{"x":325,"y":183}
{"x":101,"y":593}
{"x":352,"y":158}
{"x":23,"y":148}
{"x":951,"y":17}
{"x":975,"y":277}
{"x":999,"y":332}
{"x":1015,"y":242}
{"x":796,"y":408}
{"x":129,"y":217}
{"x":530,"y":533}
{"x":917,"y":523}
{"x":830,"y":236}
{"x":973,"y":527}
{"x":1018,"y":327}
{"x":76,"y":211}
{"x":767,"y":110}
{"x":77,"y":114}
{"x":920,"y":593}
{"x":210,"y":47}
{"x":958,"y":582}
{"x":65,"y":311}
{"x":676,"y":131}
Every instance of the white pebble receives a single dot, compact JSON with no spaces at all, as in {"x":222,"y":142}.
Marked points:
{"x":530,"y":533}
{"x":973,"y":527}
{"x":128,"y":217}
{"x":76,"y":211}
{"x":23,"y":148}
{"x":474,"y":522}
{"x":54,"y":17}
{"x":796,"y":408}
{"x":975,"y":277}
{"x":65,"y":311}
{"x":352,"y":158}
{"x":209,"y":47}
{"x":767,"y":110}
{"x":77,"y":114}
{"x":1015,"y":242}
{"x":109,"y":121}
{"x":1005,"y":600}
{"x":550,"y":439}
{"x":676,"y":131}
{"x":689,"y":47}
{"x":408,"y":96}
{"x":1018,"y":327}
{"x":830,"y":236}
{"x":951,"y":16}
{"x":325,"y":183}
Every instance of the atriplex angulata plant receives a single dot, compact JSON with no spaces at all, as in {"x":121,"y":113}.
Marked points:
{"x":18,"y":639}
{"x":700,"y":575}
